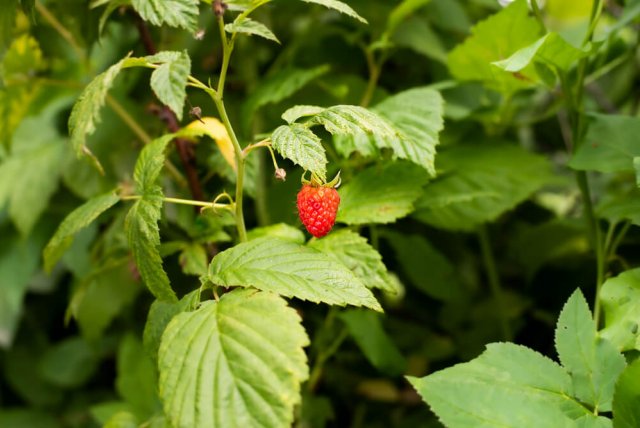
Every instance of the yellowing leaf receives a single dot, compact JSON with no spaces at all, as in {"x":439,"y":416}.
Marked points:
{"x":215,"y":129}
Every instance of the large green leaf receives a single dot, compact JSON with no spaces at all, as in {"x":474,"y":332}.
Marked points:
{"x":169,"y":80}
{"x":245,"y":25}
{"x":77,"y":220}
{"x":609,"y":145}
{"x":427,"y":269}
{"x":299,"y":144}
{"x":149,"y":165}
{"x":551,"y":49}
{"x":174,"y":13}
{"x":620,"y":297}
{"x":494,"y":39}
{"x":340,"y":7}
{"x":480,"y":182}
{"x":366,"y":329}
{"x":236,"y":362}
{"x":137,"y":381}
{"x":291,"y":270}
{"x":626,"y":412}
{"x":381,"y":194}
{"x":353,"y":251}
{"x":507,"y":386}
{"x":413,"y":119}
{"x":594,"y":363}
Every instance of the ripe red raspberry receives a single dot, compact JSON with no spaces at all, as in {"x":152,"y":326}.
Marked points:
{"x":317,"y":208}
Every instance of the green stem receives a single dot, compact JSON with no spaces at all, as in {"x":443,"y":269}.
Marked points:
{"x":128,"y":120}
{"x":537,"y":13}
{"x":494,"y":280}
{"x":181,"y":202}
{"x":375,"y":69}
{"x":60,"y":29}
{"x":217,"y":96}
{"x":618,"y":239}
{"x":316,"y":371}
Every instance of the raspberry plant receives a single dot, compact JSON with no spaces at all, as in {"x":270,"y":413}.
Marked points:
{"x":150,"y":170}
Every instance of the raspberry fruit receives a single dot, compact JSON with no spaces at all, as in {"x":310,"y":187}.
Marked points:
{"x":317,"y":208}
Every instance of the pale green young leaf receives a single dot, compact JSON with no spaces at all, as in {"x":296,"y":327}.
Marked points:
{"x":296,"y":112}
{"x":407,"y":123}
{"x":551,"y":49}
{"x":366,"y":329}
{"x":626,"y":412}
{"x":238,"y":361}
{"x":141,"y":227}
{"x":245,"y":25}
{"x":479,"y":183}
{"x":174,"y":13}
{"x":508,"y":385}
{"x":494,"y":39}
{"x":353,"y":251}
{"x":594,"y":363}
{"x":620,"y":297}
{"x":381,"y":194}
{"x":169,"y":80}
{"x":300,"y":145}
{"x":136,"y":381}
{"x":609,"y":144}
{"x":427,"y":269}
{"x":291,"y":270}
{"x":277,"y":87}
{"x":281,"y":230}
{"x":593,"y":421}
{"x":77,"y":220}
{"x":340,"y":7}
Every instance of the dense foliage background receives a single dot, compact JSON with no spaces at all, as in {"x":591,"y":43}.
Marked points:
{"x":486,"y":247}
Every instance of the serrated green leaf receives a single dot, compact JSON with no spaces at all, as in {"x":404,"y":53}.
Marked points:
{"x":141,"y":226}
{"x":281,"y":230}
{"x":340,"y":7}
{"x":407,"y":123}
{"x":136,"y":381}
{"x":427,"y":269}
{"x":291,"y":270}
{"x":300,"y":145}
{"x":609,"y":144}
{"x":620,"y":297}
{"x":296,"y":112}
{"x":366,"y":329}
{"x":238,"y":361}
{"x":353,"y":251}
{"x":551,"y":49}
{"x":508,"y":385}
{"x":495,"y":39}
{"x":354,"y":120}
{"x":169,"y":81}
{"x":479,"y":183}
{"x":277,"y":87}
{"x":85,"y":115}
{"x":245,"y":25}
{"x":381,"y":194}
{"x":174,"y":13}
{"x":626,"y":412}
{"x":77,"y":220}
{"x":593,"y":363}
{"x":149,"y":165}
